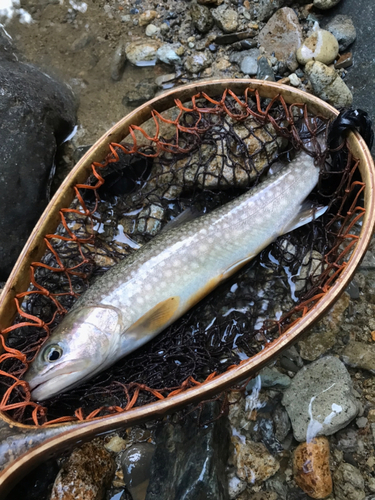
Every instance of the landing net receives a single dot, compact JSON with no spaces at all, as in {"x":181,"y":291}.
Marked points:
{"x":196,"y":157}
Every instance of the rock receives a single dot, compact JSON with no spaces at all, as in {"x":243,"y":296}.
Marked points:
{"x":152,"y":30}
{"x":115,"y":444}
{"x":348,"y":483}
{"x":7,"y":50}
{"x":325,"y":4}
{"x":135,"y":464}
{"x":359,"y":355}
{"x":328,"y":85}
{"x":118,"y":62}
{"x":254,"y":463}
{"x":249,"y":65}
{"x":265,"y":71}
{"x":321,"y":46}
{"x":264,"y":9}
{"x":282,"y":423}
{"x":344,"y":61}
{"x":85,"y":475}
{"x":311,"y":468}
{"x":198,"y":62}
{"x":211,"y":3}
{"x":269,"y":377}
{"x":143,"y":92}
{"x":261,"y":495}
{"x":201,"y":17}
{"x":235,"y":486}
{"x":146,"y":17}
{"x":294,"y":80}
{"x":189,"y":461}
{"x":150,"y":219}
{"x":142,"y":52}
{"x":237,"y":57}
{"x":36,"y":114}
{"x":282,"y":36}
{"x":167,"y":55}
{"x":323,"y":336}
{"x":343,"y":29}
{"x":319,"y":400}
{"x":226,"y":18}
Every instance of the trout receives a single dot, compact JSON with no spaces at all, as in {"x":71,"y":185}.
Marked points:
{"x":147,"y":291}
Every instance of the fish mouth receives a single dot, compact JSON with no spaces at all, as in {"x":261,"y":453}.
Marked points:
{"x":45,"y":389}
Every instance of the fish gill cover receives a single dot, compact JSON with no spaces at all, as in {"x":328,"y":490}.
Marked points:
{"x":199,"y":156}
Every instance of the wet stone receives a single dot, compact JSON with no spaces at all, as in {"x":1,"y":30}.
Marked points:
{"x":344,"y":61}
{"x":320,"y":400}
{"x":282,"y":36}
{"x":135,"y":464}
{"x":269,"y":377}
{"x":348,"y":483}
{"x":189,"y":461}
{"x":359,"y":355}
{"x":311,"y":468}
{"x":85,"y":475}
{"x":201,"y":17}
{"x":343,"y":29}
{"x":254,"y":463}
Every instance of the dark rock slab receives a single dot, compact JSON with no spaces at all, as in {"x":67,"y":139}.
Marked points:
{"x":361,"y":76}
{"x":36,"y":114}
{"x":189,"y":461}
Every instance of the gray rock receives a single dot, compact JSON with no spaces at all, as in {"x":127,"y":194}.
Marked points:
{"x":198,"y":62}
{"x":325,"y":4}
{"x":201,"y":17}
{"x":167,"y":55}
{"x":226,"y":18}
{"x":143,"y":91}
{"x":343,"y":29}
{"x":282,"y":423}
{"x":36,"y":114}
{"x":269,"y":377}
{"x":249,"y":65}
{"x":328,"y":85}
{"x":264,"y":9}
{"x":118,"y":62}
{"x":237,"y":57}
{"x":189,"y":461}
{"x":359,"y":355}
{"x":265,"y":71}
{"x":7,"y":51}
{"x":319,"y":400}
{"x":348,"y":483}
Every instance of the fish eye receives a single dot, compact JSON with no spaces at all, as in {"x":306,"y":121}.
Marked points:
{"x":52,"y":353}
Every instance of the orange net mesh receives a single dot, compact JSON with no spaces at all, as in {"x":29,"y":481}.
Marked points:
{"x":216,"y":149}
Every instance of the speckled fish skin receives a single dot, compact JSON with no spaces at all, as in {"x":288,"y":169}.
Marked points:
{"x":146,"y":292}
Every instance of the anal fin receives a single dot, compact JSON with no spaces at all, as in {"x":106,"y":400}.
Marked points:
{"x":306,"y":214}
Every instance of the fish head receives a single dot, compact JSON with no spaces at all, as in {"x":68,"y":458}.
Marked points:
{"x":83,"y":344}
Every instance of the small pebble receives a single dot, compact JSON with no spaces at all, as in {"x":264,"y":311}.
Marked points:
{"x":135,"y":463}
{"x":152,"y":30}
{"x":311,"y":468}
{"x":321,"y":46}
{"x":146,"y":17}
{"x":344,"y":61}
{"x":294,"y":80}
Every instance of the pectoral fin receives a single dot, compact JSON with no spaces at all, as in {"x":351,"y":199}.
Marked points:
{"x":306,"y":214}
{"x":155,"y":319}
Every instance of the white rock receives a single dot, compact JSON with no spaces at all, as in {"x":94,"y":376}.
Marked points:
{"x":235,"y":486}
{"x":142,"y":52}
{"x":294,"y":80}
{"x":320,"y":46}
{"x":167,"y":55}
{"x":152,"y":30}
{"x":328,"y":85}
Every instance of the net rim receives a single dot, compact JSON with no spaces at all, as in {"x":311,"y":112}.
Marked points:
{"x":34,"y":247}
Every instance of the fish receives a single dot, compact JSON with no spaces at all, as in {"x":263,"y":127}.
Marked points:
{"x":146,"y":292}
